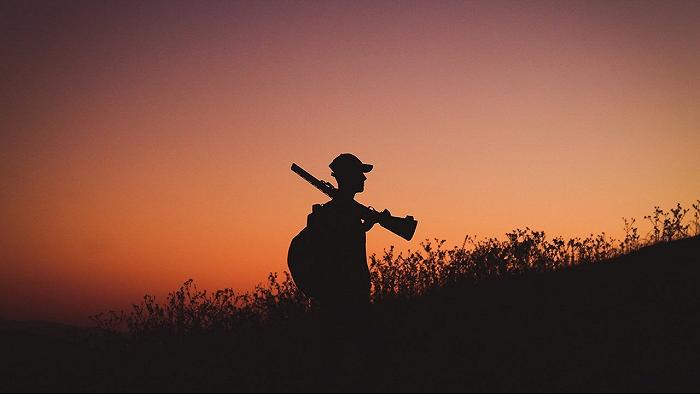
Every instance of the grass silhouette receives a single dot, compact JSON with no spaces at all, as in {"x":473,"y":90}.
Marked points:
{"x":525,"y":313}
{"x":394,"y":277}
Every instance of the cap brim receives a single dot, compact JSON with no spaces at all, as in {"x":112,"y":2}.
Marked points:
{"x":367,"y":167}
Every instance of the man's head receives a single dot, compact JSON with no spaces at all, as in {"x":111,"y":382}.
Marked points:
{"x":349,"y":171}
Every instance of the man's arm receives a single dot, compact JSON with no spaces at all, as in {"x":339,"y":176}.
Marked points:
{"x":377,"y":217}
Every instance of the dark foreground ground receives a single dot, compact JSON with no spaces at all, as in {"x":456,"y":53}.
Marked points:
{"x":632,"y":324}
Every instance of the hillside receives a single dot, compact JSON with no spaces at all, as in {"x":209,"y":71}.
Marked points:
{"x":631,"y":323}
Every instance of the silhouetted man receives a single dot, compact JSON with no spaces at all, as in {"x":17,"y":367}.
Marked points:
{"x":346,"y":287}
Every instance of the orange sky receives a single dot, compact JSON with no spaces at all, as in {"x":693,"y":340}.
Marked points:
{"x":147,"y":143}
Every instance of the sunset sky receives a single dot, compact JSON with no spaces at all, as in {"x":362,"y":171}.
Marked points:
{"x":145,"y":143}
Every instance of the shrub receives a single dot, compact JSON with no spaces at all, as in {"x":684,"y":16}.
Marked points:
{"x":393,"y":276}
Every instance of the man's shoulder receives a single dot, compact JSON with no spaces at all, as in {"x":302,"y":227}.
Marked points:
{"x":328,"y":209}
{"x":320,"y":213}
{"x":332,"y":210}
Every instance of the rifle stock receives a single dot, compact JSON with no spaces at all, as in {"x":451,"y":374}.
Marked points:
{"x":403,"y":227}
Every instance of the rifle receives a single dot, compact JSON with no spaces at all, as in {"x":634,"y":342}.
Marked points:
{"x":403,"y":227}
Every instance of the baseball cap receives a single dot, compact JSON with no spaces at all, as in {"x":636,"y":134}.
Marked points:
{"x":349,"y":163}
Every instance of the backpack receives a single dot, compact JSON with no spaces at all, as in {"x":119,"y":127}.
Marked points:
{"x":306,"y":255}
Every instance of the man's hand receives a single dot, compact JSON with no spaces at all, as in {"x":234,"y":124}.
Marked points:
{"x":376,"y":217}
{"x":384,"y":215}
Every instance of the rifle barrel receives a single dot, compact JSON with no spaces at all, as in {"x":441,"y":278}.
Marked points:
{"x":320,"y":185}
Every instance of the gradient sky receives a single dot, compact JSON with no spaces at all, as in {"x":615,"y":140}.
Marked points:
{"x":145,"y":143}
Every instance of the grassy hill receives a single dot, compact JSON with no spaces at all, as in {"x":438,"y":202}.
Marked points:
{"x":630,"y":323}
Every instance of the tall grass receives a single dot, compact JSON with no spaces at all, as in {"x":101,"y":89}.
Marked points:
{"x":189,"y":310}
